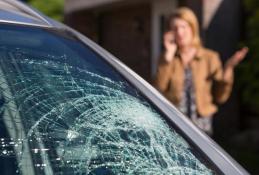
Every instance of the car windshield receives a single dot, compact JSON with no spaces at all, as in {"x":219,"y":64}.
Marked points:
{"x":64,"y":110}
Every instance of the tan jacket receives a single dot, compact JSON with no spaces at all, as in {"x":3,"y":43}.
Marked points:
{"x":207,"y":72}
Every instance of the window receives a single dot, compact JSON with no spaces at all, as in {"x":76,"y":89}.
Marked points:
{"x":66,"y":111}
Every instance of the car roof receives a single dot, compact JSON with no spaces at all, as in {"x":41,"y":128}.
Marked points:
{"x":14,"y":11}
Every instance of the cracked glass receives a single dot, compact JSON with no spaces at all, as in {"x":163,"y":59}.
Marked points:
{"x":64,"y":110}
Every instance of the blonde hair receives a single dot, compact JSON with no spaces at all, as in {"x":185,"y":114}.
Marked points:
{"x":187,"y":15}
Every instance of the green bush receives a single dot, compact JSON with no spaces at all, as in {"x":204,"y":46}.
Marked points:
{"x":51,"y":8}
{"x":248,"y":72}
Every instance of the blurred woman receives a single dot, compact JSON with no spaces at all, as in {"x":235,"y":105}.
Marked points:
{"x":191,"y":76}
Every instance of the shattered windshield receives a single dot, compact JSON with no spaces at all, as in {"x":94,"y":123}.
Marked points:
{"x":63,"y":110}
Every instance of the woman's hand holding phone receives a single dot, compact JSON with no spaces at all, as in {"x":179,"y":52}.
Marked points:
{"x":170,"y":46}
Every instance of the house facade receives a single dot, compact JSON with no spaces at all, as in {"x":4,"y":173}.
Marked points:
{"x":129,"y":29}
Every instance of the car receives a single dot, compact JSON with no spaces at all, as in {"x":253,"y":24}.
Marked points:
{"x":67,"y":106}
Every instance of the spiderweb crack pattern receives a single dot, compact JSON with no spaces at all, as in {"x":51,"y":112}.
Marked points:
{"x":88,"y":123}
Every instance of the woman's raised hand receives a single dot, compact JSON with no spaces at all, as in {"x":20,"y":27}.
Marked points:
{"x":237,"y":57}
{"x":233,"y":61}
{"x":170,"y":46}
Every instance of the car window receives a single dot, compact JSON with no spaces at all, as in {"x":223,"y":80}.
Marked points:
{"x":64,"y":110}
